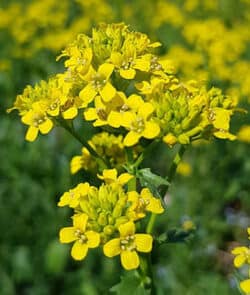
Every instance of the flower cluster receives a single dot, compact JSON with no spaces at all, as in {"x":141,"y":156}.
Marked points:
{"x":107,"y":216}
{"x":121,"y":85}
{"x":242,"y":256}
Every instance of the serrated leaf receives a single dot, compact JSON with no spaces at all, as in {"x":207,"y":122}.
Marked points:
{"x":151,"y":180}
{"x":130,"y":284}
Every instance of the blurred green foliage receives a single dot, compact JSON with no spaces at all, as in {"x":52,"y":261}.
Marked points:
{"x":33,"y":176}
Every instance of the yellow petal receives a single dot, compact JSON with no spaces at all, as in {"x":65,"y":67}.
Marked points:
{"x":31,"y":133}
{"x":75,"y":164}
{"x":46,"y":126}
{"x":109,"y":175}
{"x":79,"y":250}
{"x":222,"y":118}
{"x":145,"y":110}
{"x":127,"y":119}
{"x":27,"y":118}
{"x":87,"y":94}
{"x":80,"y":221}
{"x":107,"y":92}
{"x":116,"y":58}
{"x":93,"y":239}
{"x":112,"y":248}
{"x":70,"y":113}
{"x":239,"y":250}
{"x":143,"y":242}
{"x":64,"y":200}
{"x":133,"y":196}
{"x":106,"y":70}
{"x":142,"y":64}
{"x":151,"y":130}
{"x":131,"y":138}
{"x":127,"y":229}
{"x":114,"y":119}
{"x":239,"y":260}
{"x":128,"y":74}
{"x":90,"y":114}
{"x":155,"y":206}
{"x":129,"y":260}
{"x":223,"y":134}
{"x":135,"y":101}
{"x":67,"y":234}
{"x":124,"y":178}
{"x":245,"y":286}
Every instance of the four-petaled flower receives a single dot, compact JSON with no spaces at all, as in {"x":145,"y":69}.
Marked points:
{"x":37,"y":120}
{"x":83,"y":239}
{"x":98,"y":82}
{"x":127,"y":246}
{"x":140,"y":203}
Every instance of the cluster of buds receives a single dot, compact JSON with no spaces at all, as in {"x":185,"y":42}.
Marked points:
{"x":107,"y":216}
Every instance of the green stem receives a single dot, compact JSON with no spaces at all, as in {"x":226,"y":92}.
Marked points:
{"x":171,"y":174}
{"x":71,"y":130}
{"x":129,"y":159}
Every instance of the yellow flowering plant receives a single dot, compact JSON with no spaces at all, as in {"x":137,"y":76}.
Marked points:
{"x":116,"y":82}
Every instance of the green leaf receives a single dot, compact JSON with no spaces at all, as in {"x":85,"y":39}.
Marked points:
{"x":151,"y":180}
{"x":130,"y":284}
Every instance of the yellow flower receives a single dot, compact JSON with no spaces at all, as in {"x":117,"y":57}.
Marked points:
{"x":242,"y":256}
{"x":83,"y":239}
{"x":127,"y":63}
{"x":37,"y":120}
{"x":98,"y":82}
{"x":80,"y":60}
{"x":221,"y":120}
{"x":140,"y":203}
{"x":102,"y":110}
{"x":139,"y":125}
{"x":73,"y":197}
{"x":110,"y":176}
{"x":245,"y":286}
{"x":85,"y":161}
{"x":127,"y":246}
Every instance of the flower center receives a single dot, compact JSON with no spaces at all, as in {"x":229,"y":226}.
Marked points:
{"x":98,"y":81}
{"x":127,"y":64}
{"x":142,"y":204}
{"x":81,"y":236}
{"x":154,"y":65}
{"x":137,"y":125}
{"x":102,"y":114}
{"x":128,"y":243}
{"x":38,"y":120}
{"x":53,"y":106}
